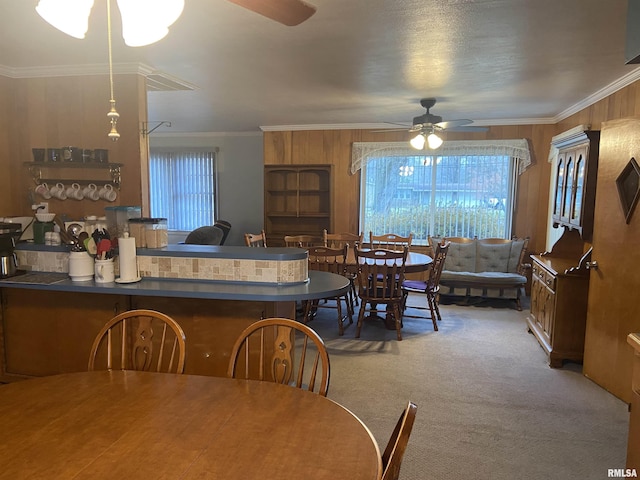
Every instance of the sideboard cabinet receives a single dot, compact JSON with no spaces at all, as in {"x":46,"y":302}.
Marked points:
{"x":297,"y":201}
{"x":559,"y":292}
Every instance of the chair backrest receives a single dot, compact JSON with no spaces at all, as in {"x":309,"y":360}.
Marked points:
{"x":208,"y":235}
{"x":140,"y":340}
{"x":255,"y":239}
{"x":392,"y":456}
{"x":339,"y":240}
{"x":283,"y":351}
{"x":225,"y":227}
{"x":437,"y":266}
{"x":333,"y":260}
{"x":302,"y":241}
{"x":389,"y":241}
{"x":380,"y":274}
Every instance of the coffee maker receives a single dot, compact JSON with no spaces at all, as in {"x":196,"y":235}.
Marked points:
{"x":9,"y":233}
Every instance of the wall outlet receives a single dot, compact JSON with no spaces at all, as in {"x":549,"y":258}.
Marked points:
{"x":42,"y":207}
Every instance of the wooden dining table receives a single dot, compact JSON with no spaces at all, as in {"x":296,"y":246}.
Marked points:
{"x":416,"y":262}
{"x":129,"y":424}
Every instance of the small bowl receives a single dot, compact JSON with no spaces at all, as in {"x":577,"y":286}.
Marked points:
{"x":45,"y":217}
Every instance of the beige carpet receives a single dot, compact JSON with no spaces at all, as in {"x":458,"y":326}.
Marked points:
{"x":489,"y":406}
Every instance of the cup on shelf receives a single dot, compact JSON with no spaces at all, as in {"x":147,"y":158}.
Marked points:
{"x":108,"y":193}
{"x":74,"y":192}
{"x":53,"y":155}
{"x":91,"y":192}
{"x":38,"y":154}
{"x":58,"y":191}
{"x":101,"y":155}
{"x":43,"y":191}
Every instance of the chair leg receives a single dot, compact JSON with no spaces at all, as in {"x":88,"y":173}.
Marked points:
{"x":310,"y":309}
{"x":360,"y":318}
{"x":398,"y":318}
{"x":340,"y":319}
{"x":432,"y":310}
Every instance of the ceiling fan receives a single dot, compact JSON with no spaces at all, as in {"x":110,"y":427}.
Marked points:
{"x":287,"y":12}
{"x":429,"y":125}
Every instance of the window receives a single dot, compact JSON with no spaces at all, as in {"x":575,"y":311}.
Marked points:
{"x":455,"y":194}
{"x":183,"y":188}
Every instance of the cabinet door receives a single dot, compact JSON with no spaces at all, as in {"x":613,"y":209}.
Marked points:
{"x":560,"y":176}
{"x":543,"y":306}
{"x":579,"y":183}
{"x":569,"y":186}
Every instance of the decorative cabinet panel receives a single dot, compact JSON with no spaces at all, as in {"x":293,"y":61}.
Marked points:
{"x":575,"y":180}
{"x":297,"y":201}
{"x":559,"y":290}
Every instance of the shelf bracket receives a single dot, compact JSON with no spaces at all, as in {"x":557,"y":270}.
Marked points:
{"x":145,"y":127}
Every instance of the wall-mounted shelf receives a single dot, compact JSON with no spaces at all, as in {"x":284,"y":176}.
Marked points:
{"x":50,"y":172}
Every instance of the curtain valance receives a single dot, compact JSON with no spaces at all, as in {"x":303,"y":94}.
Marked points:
{"x":362,"y":151}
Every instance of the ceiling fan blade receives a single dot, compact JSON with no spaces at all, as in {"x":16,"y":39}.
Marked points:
{"x":453,"y":123}
{"x":287,"y":12}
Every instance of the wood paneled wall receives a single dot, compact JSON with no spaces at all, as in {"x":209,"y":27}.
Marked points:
{"x":334,"y":147}
{"x":606,"y":338}
{"x":70,"y":111}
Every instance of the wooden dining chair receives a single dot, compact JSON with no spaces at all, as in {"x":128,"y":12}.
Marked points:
{"x":302,"y":241}
{"x":390,"y":241}
{"x":332,"y":260}
{"x":429,"y":287}
{"x":339,"y":240}
{"x":143,"y":340}
{"x":283,"y":351}
{"x":393,"y":453}
{"x":255,"y":239}
{"x":380,"y":278}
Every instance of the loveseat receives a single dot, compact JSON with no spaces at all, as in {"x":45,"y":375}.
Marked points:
{"x":487,"y":268}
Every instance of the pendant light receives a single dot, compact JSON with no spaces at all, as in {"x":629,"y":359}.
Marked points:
{"x":143,"y":22}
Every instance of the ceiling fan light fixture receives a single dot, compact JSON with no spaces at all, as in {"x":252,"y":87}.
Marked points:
{"x":434,"y":141}
{"x":70,"y":16}
{"x":147,"y":21}
{"x":418,"y":141}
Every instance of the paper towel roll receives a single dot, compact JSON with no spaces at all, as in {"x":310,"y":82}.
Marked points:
{"x":127,"y":258}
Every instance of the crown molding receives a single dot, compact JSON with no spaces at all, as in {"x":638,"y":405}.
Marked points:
{"x":613,"y":87}
{"x":205,"y":134}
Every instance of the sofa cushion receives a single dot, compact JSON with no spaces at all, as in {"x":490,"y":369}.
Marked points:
{"x":514,"y":257}
{"x":482,"y":278}
{"x":461,"y":257}
{"x":492,"y":257}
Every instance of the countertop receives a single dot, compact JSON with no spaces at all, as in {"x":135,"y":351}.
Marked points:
{"x":320,"y":285}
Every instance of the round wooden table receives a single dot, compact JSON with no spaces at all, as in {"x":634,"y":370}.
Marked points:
{"x":129,"y":424}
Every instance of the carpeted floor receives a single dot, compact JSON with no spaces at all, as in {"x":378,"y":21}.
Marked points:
{"x":489,"y":406}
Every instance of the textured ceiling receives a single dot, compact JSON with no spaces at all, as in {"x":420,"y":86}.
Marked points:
{"x":354,"y":62}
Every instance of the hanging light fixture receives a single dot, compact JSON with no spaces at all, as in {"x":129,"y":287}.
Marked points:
{"x":143,"y":22}
{"x":428,"y":137}
{"x":70,"y":17}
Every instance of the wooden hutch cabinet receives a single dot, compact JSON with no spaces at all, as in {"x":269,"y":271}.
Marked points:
{"x":560,"y":278}
{"x":575,"y":188}
{"x":297,"y":201}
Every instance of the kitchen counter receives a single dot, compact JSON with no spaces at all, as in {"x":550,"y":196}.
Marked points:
{"x":281,"y":266}
{"x":48,"y":327}
{"x":320,"y":285}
